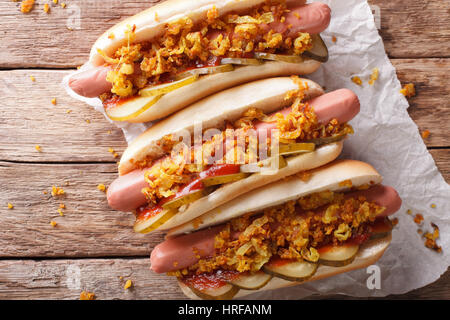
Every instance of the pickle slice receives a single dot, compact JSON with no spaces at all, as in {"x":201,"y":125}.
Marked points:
{"x":213,"y":181}
{"x":295,"y":148}
{"x":338,"y":256}
{"x":242,"y":61}
{"x":279,"y":57}
{"x":225,"y":292}
{"x":131,"y":108}
{"x":205,"y":70}
{"x":263,"y":165}
{"x":327,"y":140}
{"x":319,"y":50}
{"x":167,"y":87}
{"x":185,"y":199}
{"x":251,"y":281}
{"x":292,"y":271}
{"x":148,"y":225}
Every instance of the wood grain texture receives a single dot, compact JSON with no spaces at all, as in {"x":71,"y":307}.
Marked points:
{"x":416,"y":29}
{"x":55,"y":46}
{"x":89,"y":228}
{"x":66,"y":279}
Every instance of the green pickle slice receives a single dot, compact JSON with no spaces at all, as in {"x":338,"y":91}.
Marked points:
{"x":213,"y":181}
{"x":185,"y":199}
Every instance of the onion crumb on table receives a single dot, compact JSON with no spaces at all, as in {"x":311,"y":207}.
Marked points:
{"x":84,"y":295}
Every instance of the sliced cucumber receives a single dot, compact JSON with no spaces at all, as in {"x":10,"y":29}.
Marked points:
{"x":131,"y":108}
{"x":279,"y":57}
{"x":338,"y":256}
{"x":295,"y":148}
{"x":225,"y":292}
{"x":167,"y":87}
{"x":264,"y":165}
{"x":292,"y":271}
{"x":185,"y":199}
{"x":251,"y":281}
{"x":241,"y":61}
{"x":319,"y":51}
{"x":205,"y":70}
{"x":213,"y":181}
{"x":152,"y":223}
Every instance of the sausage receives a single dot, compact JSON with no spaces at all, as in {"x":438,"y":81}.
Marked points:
{"x":312,"y":18}
{"x":91,"y":83}
{"x":125,"y":194}
{"x":341,"y":104}
{"x":180,"y":249}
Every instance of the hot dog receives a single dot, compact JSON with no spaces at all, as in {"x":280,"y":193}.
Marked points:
{"x":177,"y":52}
{"x":289,"y":231}
{"x":310,"y":126}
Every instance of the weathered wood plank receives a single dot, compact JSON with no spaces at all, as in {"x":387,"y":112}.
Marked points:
{"x":28,"y":118}
{"x":43,"y":40}
{"x":65,"y":279}
{"x":89,"y":228}
{"x":416,"y":28}
{"x":67,"y":137}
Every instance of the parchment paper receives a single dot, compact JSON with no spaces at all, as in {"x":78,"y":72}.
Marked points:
{"x":387,"y":138}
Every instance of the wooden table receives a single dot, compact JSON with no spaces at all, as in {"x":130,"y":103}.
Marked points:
{"x":92,"y":247}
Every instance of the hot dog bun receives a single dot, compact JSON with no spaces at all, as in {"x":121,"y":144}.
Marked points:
{"x":368,"y":254}
{"x":150,"y":23}
{"x":267,"y":95}
{"x":335,"y":176}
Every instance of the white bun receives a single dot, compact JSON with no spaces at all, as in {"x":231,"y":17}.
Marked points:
{"x":368,"y":254}
{"x":212,"y":112}
{"x":151,"y":23}
{"x":226,"y":193}
{"x":329,"y":177}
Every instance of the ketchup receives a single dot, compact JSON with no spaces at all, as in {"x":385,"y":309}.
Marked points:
{"x":210,"y":280}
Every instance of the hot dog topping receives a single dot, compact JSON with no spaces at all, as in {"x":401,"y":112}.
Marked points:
{"x":235,"y":145}
{"x":185,"y":45}
{"x":295,"y":230}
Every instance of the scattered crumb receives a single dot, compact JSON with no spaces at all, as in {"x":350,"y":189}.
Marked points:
{"x":431,"y":238}
{"x":88,"y":121}
{"x":68,"y":111}
{"x":334,"y":39}
{"x":109,"y":132}
{"x":60,"y":212}
{"x":374,"y":76}
{"x":66,"y":183}
{"x":101,"y":187}
{"x":419,"y":231}
{"x":32,"y":78}
{"x":111,"y":36}
{"x":10,"y":206}
{"x":63,"y":5}
{"x":425,"y":134}
{"x":87,"y":295}
{"x":57,"y":191}
{"x":120,"y":278}
{"x":394,"y":221}
{"x":70,"y":28}
{"x":357,"y":80}
{"x":408,"y":90}
{"x":62,"y":206}
{"x":418,"y":218}
{"x":110,"y":150}
{"x":433,"y":205}
{"x":46,"y":8}
{"x":297,"y":15}
{"x":409,"y":211}
{"x":53,"y":223}
{"x":26,"y":6}
{"x":55,"y":1}
{"x":45,"y":191}
{"x":128,"y":284}
{"x":38,"y":148}
{"x":54,"y":101}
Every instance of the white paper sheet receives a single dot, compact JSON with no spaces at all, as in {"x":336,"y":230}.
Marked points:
{"x":387,"y":138}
